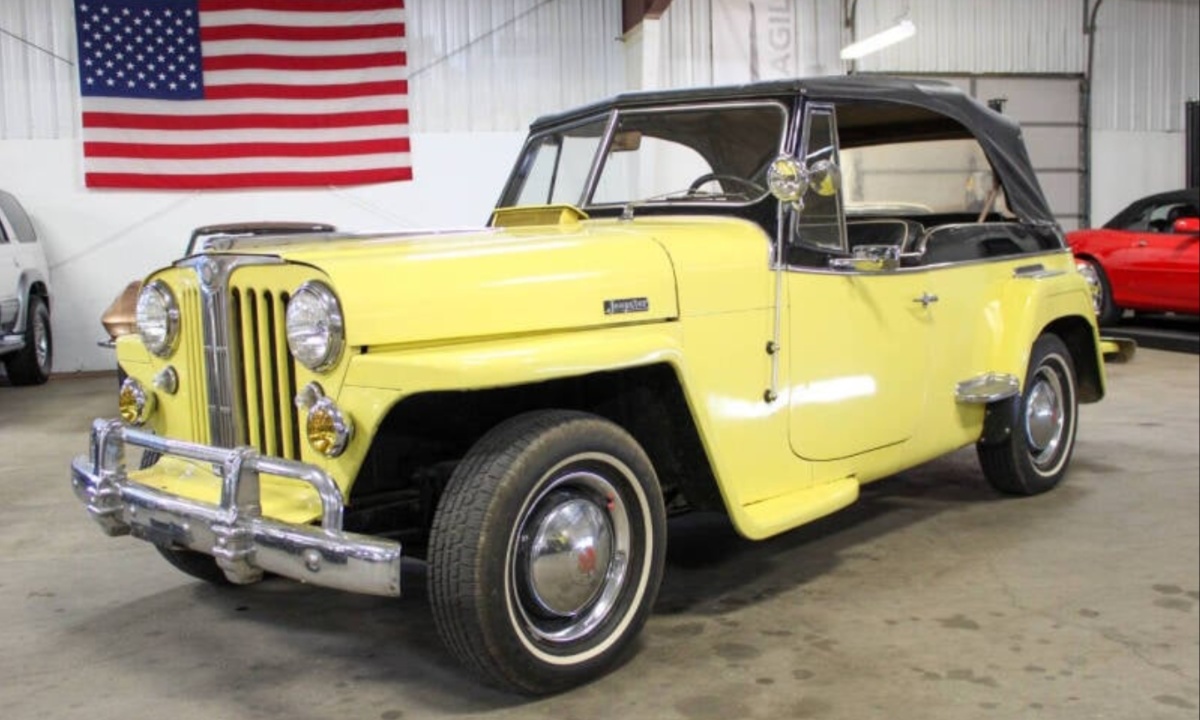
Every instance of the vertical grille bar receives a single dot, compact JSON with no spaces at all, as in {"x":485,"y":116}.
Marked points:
{"x":193,"y":360}
{"x":264,"y":341}
{"x":289,"y":422}
{"x":252,"y":385}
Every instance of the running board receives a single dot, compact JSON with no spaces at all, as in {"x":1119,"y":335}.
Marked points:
{"x":987,"y":388}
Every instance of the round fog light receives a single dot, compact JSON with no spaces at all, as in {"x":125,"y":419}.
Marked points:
{"x":135,"y":403}
{"x":328,"y":429}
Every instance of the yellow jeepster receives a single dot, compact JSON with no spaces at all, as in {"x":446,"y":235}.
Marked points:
{"x":751,"y":299}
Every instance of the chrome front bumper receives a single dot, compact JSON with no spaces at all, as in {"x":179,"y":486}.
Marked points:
{"x":244,"y":543}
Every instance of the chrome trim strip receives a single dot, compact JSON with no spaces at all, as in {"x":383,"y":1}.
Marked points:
{"x":987,"y":388}
{"x":925,"y":268}
{"x":597,"y":167}
{"x":222,"y":352}
{"x":244,"y":543}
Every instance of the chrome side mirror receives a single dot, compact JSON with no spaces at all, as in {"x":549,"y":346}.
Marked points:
{"x":824,"y":178}
{"x":787,"y":178}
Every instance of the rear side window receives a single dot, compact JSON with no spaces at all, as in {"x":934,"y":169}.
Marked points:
{"x":21,"y":225}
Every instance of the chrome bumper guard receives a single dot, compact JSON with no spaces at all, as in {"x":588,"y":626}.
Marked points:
{"x":244,"y":543}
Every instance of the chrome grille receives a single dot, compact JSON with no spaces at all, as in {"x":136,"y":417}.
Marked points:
{"x":265,"y":373}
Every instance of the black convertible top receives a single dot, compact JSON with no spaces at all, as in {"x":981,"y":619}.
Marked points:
{"x":933,"y":103}
{"x":1188,"y":196}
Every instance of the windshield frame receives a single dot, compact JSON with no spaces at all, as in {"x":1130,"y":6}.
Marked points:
{"x":612,"y":117}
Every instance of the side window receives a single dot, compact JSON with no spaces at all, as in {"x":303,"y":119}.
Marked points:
{"x":819,"y":225}
{"x":558,"y":166}
{"x":1162,"y":217}
{"x":3,"y":234}
{"x":22,"y":228}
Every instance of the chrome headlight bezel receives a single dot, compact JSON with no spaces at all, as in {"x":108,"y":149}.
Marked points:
{"x":327,"y":326}
{"x":161,"y":343}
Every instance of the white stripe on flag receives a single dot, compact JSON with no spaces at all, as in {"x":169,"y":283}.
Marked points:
{"x":307,"y":77}
{"x":197,"y":108}
{"x":220,"y":18}
{"x":214,"y":137}
{"x":303,"y":48}
{"x":382,"y":161}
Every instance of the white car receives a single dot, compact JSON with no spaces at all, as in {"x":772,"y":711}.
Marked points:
{"x":26,"y":346}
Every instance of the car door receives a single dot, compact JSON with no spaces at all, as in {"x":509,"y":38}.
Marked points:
{"x":1152,"y":266}
{"x":858,"y":343}
{"x":10,"y":273}
{"x":1163,"y":263}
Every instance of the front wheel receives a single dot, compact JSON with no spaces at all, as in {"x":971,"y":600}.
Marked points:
{"x":546,"y":551}
{"x":31,"y":364}
{"x":1033,"y":457}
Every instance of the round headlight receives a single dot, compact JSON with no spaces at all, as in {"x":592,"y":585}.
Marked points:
{"x":315,"y":331}
{"x":158,"y":318}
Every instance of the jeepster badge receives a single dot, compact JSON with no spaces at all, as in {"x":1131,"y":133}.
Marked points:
{"x":626,"y":305}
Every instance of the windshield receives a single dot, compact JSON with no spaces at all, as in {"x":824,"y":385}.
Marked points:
{"x":704,"y":154}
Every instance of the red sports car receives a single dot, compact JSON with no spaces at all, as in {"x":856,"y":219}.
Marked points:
{"x":1146,"y":258}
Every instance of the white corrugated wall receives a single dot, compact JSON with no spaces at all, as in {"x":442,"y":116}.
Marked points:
{"x":1147,"y":55}
{"x":496,"y":64}
{"x":474,"y":65}
{"x":37,"y":73}
{"x":794,"y":38}
{"x":994,"y":36}
{"x":1147,"y":64}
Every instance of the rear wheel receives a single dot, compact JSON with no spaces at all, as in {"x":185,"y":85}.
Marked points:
{"x":546,"y":551}
{"x":31,"y":364}
{"x":1033,"y":457}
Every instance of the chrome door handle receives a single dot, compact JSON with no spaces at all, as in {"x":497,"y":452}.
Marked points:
{"x":926,"y":299}
{"x":1143,"y":243}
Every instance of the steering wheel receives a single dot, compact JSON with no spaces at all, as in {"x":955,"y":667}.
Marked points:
{"x":754,"y":187}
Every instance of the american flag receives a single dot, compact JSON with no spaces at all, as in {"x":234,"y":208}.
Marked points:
{"x":202,"y":94}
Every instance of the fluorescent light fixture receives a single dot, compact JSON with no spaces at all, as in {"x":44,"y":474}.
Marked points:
{"x":902,"y":30}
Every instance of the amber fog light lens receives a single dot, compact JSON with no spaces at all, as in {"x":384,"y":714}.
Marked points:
{"x":134,"y":403}
{"x":328,"y":429}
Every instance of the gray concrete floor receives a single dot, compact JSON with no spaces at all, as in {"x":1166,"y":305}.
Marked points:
{"x":932,"y":598}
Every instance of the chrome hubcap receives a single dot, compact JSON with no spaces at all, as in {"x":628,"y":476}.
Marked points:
{"x":1093,"y":280}
{"x":571,"y":549}
{"x":41,"y":341}
{"x":572,"y":557}
{"x":1045,"y":418}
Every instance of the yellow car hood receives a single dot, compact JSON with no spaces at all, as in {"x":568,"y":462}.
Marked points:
{"x":412,"y":289}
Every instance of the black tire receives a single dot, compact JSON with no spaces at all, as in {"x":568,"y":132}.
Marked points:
{"x":31,"y":364}
{"x":1107,"y":311}
{"x":518,"y":511}
{"x":1033,"y":457}
{"x":198,"y":565}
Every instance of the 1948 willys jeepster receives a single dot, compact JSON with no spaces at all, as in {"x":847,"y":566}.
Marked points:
{"x":752,"y":299}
